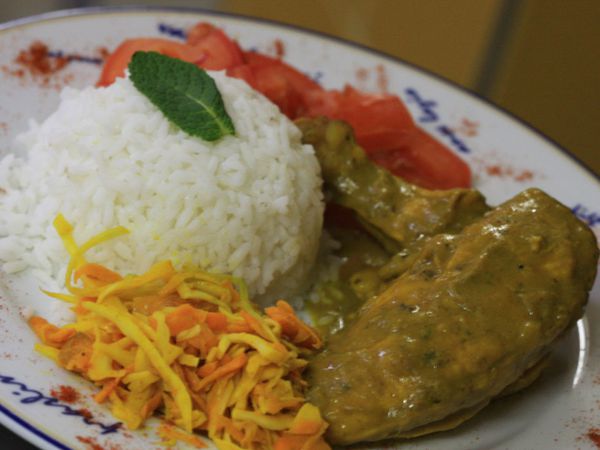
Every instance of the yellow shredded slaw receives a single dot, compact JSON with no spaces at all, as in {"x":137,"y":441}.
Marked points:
{"x":188,"y":346}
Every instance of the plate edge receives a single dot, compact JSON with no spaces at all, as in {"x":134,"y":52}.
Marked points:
{"x":74,"y":12}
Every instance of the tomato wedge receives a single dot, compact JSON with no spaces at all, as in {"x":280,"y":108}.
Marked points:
{"x":296,"y":79}
{"x":220,"y":51}
{"x":382,"y":124}
{"x":376,"y":119}
{"x":206,"y":46}
{"x":278,"y":81}
{"x":424,"y":161}
{"x":117,"y":62}
{"x":384,"y":127}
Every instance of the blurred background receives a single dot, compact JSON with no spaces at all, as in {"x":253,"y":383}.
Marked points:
{"x":539,"y":59}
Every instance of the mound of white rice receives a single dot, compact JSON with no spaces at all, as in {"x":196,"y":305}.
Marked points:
{"x":248,"y":204}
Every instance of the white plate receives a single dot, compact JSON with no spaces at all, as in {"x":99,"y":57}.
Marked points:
{"x":506,"y":156}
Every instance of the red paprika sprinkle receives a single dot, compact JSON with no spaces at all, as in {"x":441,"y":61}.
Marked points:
{"x":90,"y":443}
{"x":37,"y":61}
{"x":65,"y":394}
{"x":594,"y":435}
{"x":279,"y":48}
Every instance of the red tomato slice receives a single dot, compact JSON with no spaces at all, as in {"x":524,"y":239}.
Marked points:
{"x":384,"y":127}
{"x":424,"y":161}
{"x":276,"y":88}
{"x":221,"y":52}
{"x":278,"y":81}
{"x":117,"y":61}
{"x":382,"y":124}
{"x":376,"y":119}
{"x":299,"y":81}
{"x":243,"y":72}
{"x":207,"y":47}
{"x":379,"y":122}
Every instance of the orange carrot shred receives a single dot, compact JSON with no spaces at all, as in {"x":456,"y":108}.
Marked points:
{"x":292,"y":327}
{"x":97,"y":272}
{"x":168,"y":432}
{"x":216,"y":321}
{"x":255,"y":325}
{"x":232,"y":366}
{"x":207,"y":369}
{"x":50,"y":334}
{"x":238,"y":327}
{"x":108,"y":387}
{"x":151,"y":405}
{"x":183,"y":318}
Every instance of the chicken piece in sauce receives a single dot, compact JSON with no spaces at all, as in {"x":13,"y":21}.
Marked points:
{"x":396,"y":218}
{"x":471,"y":317}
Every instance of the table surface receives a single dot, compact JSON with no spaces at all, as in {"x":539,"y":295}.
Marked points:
{"x":11,"y":441}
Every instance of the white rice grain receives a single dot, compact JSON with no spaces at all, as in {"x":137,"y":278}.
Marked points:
{"x":248,"y":204}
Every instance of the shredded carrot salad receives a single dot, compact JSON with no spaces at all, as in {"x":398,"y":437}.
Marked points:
{"x":188,"y":346}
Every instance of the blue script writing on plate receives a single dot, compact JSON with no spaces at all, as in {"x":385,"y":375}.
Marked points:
{"x":32,"y":396}
{"x":172,"y":31}
{"x":583,"y":213}
{"x":428,"y":114}
{"x":74,"y":57}
{"x":454,"y":140}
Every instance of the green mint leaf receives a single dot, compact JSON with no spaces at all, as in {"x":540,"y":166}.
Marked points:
{"x":184,"y":93}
